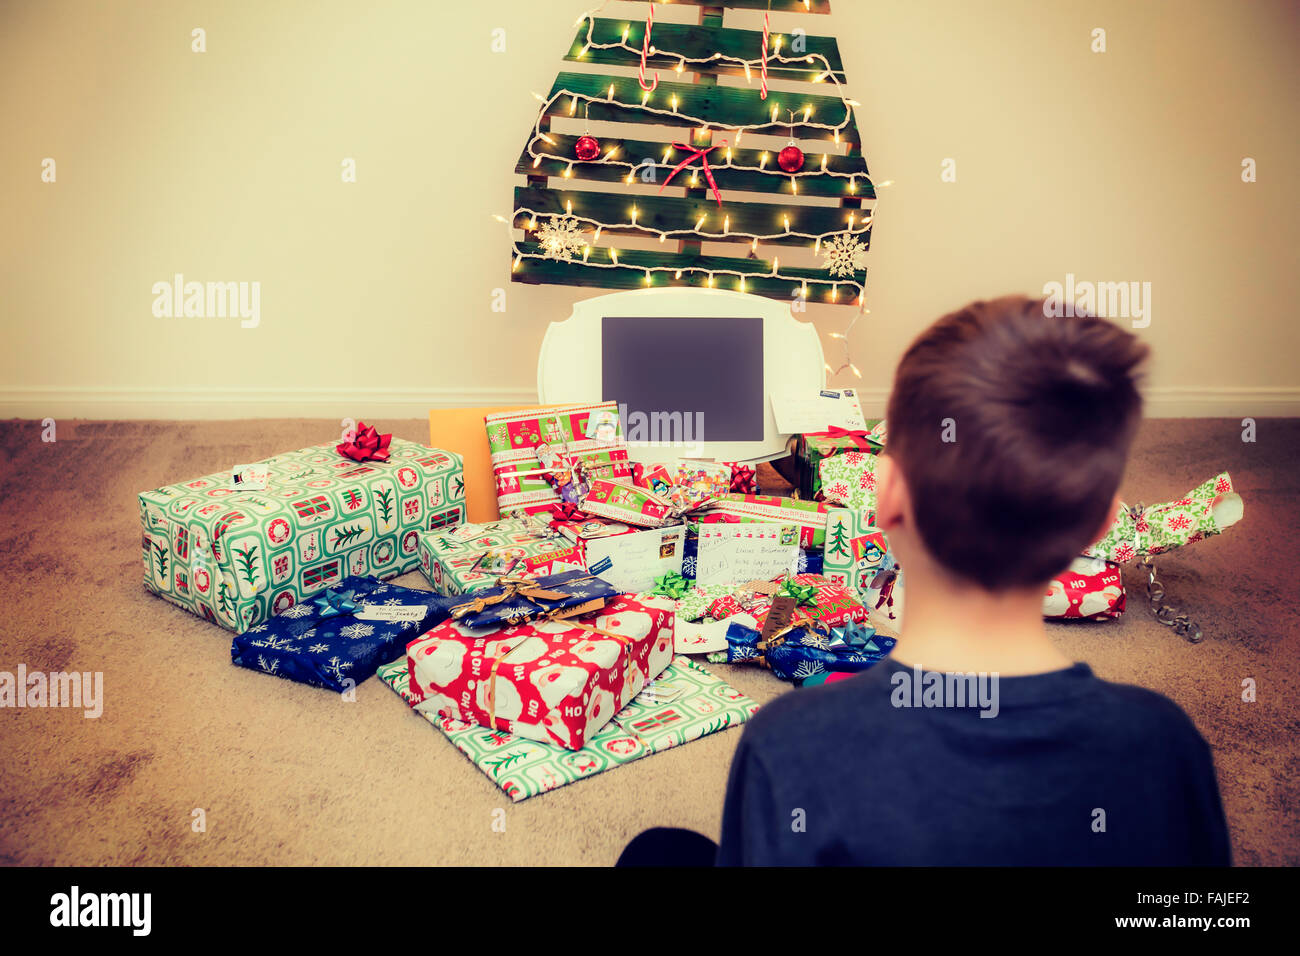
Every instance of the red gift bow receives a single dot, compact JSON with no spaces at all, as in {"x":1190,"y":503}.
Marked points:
{"x":858,"y":436}
{"x":568,"y":511}
{"x":701,"y":154}
{"x":366,"y":444}
{"x":743,"y":480}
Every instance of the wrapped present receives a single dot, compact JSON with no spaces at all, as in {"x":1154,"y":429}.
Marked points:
{"x":744,"y":478}
{"x":686,"y":702}
{"x":472,"y":556}
{"x":1090,"y":589}
{"x":849,"y":480}
{"x":818,"y":600}
{"x":557,"y":681}
{"x":237,"y":555}
{"x":809,"y":515}
{"x":857,"y":556}
{"x":339,"y":637}
{"x":686,"y":485}
{"x":624,"y":502}
{"x":812,"y":449}
{"x":630,"y":559}
{"x":514,"y":599}
{"x":797,"y":653}
{"x":694,"y":603}
{"x":1137,"y":531}
{"x":586,"y":435}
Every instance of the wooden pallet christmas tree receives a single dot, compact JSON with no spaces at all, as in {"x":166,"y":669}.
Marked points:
{"x":717,"y":182}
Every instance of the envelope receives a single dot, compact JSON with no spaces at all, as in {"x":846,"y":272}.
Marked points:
{"x":637,"y":558}
{"x":746,"y":551}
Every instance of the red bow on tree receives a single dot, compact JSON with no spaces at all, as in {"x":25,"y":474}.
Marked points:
{"x":701,"y":153}
{"x":365,"y":444}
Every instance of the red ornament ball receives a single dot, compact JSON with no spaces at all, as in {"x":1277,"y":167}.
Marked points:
{"x":586,"y":148}
{"x":790,"y":159}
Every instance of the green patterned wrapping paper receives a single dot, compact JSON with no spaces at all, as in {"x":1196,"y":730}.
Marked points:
{"x":1204,"y":511}
{"x":239,"y":557}
{"x":849,"y":480}
{"x":523,"y":768}
{"x":459,"y":560}
{"x":810,"y":450}
{"x":692,"y":605}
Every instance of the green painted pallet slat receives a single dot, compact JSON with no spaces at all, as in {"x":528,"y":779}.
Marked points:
{"x":726,"y":178}
{"x":691,"y":40}
{"x":777,"y":6}
{"x":725,"y":107}
{"x":574,"y":272}
{"x":665,"y":213}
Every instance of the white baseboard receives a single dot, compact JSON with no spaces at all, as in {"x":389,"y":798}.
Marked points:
{"x":194,"y":403}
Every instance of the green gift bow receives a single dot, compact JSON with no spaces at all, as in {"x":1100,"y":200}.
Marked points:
{"x":804,"y":594}
{"x":672,"y":585}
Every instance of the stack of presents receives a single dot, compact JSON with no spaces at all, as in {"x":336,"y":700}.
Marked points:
{"x":573,"y":634}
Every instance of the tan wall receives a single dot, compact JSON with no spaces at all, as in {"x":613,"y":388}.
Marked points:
{"x":376,"y":296}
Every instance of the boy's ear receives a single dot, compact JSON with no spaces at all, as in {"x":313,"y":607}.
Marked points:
{"x":891,"y":495}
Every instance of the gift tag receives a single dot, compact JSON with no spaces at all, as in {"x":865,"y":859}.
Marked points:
{"x":249,"y":477}
{"x":661,"y":692}
{"x":403,"y":613}
{"x":701,"y":638}
{"x":782,"y":610}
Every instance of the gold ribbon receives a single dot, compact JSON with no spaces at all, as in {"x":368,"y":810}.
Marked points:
{"x":514,"y":586}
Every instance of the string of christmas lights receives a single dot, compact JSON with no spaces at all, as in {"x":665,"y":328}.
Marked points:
{"x":563,"y":238}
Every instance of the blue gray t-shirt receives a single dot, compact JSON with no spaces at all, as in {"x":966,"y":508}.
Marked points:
{"x":1067,"y":770}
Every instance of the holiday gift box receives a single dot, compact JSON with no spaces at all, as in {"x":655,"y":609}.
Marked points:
{"x":813,"y":449}
{"x":1137,"y":531}
{"x":857,"y":556}
{"x":558,"y":681}
{"x":338,"y":638}
{"x":685,"y":485}
{"x":685,"y":703}
{"x":237,"y":552}
{"x":694,"y":601}
{"x":472,"y":556}
{"x":633,"y":561}
{"x":514,"y":599}
{"x":817,"y":600}
{"x":797,"y":653}
{"x":849,"y":480}
{"x":589,"y":435}
{"x":624,"y":502}
{"x":1090,"y":589}
{"x":809,"y":515}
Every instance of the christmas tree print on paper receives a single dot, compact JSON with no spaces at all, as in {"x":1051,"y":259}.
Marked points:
{"x":384,"y":502}
{"x":244,"y":562}
{"x":346,"y":534}
{"x":160,"y":560}
{"x":838,"y":542}
{"x":749,"y":164}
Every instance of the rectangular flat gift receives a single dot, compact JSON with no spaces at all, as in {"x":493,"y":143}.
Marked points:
{"x":555,"y":681}
{"x":590,"y":434}
{"x":857,"y":555}
{"x":236,"y":557}
{"x":472,"y":556}
{"x":558,"y":595}
{"x":340,"y":637}
{"x":809,"y":515}
{"x":702,"y":704}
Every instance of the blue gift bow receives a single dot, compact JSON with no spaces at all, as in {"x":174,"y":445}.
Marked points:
{"x":854,"y":634}
{"x":335,"y":602}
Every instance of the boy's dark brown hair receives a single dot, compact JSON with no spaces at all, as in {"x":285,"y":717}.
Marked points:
{"x":1011,"y":429}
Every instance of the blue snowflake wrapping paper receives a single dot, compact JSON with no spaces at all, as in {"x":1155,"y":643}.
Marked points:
{"x":579,"y":587}
{"x":806,"y":653}
{"x":318,"y":642}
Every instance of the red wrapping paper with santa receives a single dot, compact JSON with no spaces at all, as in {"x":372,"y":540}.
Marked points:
{"x":1090,"y":589}
{"x":554,"y":681}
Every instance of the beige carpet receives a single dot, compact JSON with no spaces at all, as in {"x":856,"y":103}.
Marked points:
{"x":288,"y":774}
